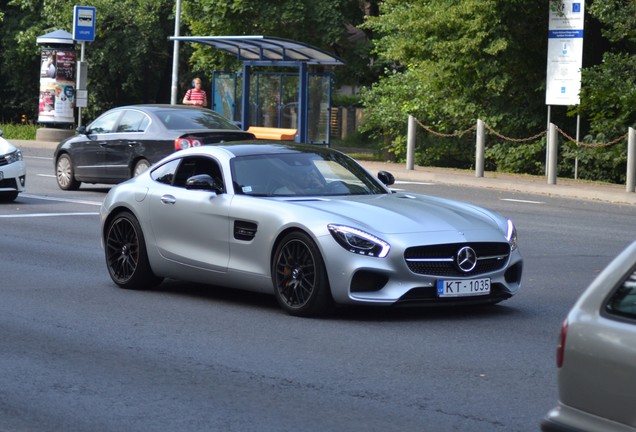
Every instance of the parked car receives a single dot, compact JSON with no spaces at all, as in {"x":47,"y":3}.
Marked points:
{"x":307,"y":224}
{"x":12,"y":171}
{"x":596,"y":353}
{"x":125,"y":141}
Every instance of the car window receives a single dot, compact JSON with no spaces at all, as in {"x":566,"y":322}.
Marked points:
{"x":183,"y":119}
{"x":623,"y":301}
{"x":133,"y":121}
{"x":105,"y":123}
{"x":303,"y":173}
{"x":178,"y":171}
{"x":165,"y":173}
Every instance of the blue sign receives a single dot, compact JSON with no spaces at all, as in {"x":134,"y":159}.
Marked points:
{"x":84,"y":23}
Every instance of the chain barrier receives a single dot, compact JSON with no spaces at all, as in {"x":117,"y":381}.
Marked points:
{"x":440,"y":134}
{"x":592,"y":145}
{"x":518,"y":140}
{"x":521,"y":140}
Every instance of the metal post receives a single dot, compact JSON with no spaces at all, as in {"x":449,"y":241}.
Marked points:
{"x":245,"y":101}
{"x":79,"y":109}
{"x":578,"y":133}
{"x":631,"y":161}
{"x":303,"y":106}
{"x":175,"y":55}
{"x":410,"y":144}
{"x":480,"y":149}
{"x":553,"y":146}
{"x":547,"y":144}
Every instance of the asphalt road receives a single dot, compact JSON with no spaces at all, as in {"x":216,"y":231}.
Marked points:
{"x":79,"y":354}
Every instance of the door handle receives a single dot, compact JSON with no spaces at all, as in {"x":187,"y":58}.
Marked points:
{"x":168,"y":199}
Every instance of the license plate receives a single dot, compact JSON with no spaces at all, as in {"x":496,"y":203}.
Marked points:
{"x":463,"y":288}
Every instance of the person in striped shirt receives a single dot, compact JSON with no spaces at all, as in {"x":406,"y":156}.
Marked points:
{"x":195,"y":96}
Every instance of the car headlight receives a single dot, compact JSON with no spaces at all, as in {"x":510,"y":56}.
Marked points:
{"x":359,"y":242}
{"x":13,"y":157}
{"x":511,"y":235}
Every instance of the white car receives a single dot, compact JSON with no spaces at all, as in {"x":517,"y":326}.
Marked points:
{"x":12,"y":171}
{"x":595,"y":355}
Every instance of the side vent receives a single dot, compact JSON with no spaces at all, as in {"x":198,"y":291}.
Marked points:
{"x":244,"y":230}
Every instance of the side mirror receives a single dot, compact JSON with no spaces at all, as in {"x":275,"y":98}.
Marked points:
{"x":386,"y":178}
{"x":203,"y":182}
{"x":81,"y":130}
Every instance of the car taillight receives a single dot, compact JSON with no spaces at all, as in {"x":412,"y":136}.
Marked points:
{"x":184,"y":143}
{"x":561,"y":346}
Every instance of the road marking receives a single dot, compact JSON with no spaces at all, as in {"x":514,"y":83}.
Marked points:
{"x":31,"y":215}
{"x":45,"y":175}
{"x":522,"y":201}
{"x":38,"y":157}
{"x":45,"y":198}
{"x":412,"y":182}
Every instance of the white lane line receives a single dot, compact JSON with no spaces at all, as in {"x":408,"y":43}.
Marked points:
{"x":38,"y":157}
{"x":45,"y":175}
{"x":412,"y":182}
{"x":522,"y":201}
{"x":32,"y":215}
{"x":45,"y":198}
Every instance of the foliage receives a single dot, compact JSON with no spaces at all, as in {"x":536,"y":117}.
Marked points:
{"x":453,"y":62}
{"x":318,"y":23}
{"x":18,"y":132}
{"x":527,"y":158}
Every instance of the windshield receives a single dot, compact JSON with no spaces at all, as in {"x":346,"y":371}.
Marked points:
{"x":303,"y":173}
{"x":185,"y":119}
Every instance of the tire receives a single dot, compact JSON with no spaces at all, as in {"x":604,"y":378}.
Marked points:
{"x":126,"y":255}
{"x":300,"y":281}
{"x":65,"y":173}
{"x":8,"y":196}
{"x":141,"y":166}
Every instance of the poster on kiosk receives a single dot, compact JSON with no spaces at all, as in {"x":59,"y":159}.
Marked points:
{"x":57,"y":86}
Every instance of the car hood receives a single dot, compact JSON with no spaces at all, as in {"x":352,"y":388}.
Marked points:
{"x":6,"y":147}
{"x":403,"y":213}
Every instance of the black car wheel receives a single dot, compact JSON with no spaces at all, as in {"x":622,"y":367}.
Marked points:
{"x":65,"y":173}
{"x":126,"y":255}
{"x":300,"y":280}
{"x":140,"y":167}
{"x":8,"y":196}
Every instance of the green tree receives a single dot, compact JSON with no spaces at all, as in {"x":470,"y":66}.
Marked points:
{"x":318,"y":23}
{"x":451,"y":62}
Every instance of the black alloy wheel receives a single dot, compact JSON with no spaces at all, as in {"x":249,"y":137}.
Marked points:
{"x":300,"y":280}
{"x":126,"y":256}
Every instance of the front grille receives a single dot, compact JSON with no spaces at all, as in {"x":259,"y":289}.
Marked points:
{"x":439,"y":260}
{"x":9,"y":183}
{"x":428,"y":296}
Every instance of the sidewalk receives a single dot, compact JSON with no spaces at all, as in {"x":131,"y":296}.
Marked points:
{"x":567,"y":188}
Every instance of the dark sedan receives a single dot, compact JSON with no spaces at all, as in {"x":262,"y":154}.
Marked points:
{"x":125,"y":141}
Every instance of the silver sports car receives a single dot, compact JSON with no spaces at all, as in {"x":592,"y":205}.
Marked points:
{"x":308,"y":224}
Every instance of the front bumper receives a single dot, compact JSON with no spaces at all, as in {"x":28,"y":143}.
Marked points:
{"x":13,"y":177}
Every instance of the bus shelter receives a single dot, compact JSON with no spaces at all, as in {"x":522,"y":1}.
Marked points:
{"x":263,"y":51}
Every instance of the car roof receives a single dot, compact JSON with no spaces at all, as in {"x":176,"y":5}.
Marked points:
{"x":159,"y":107}
{"x":251,"y":148}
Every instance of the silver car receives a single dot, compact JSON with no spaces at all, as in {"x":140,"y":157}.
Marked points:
{"x":307,"y":224}
{"x":12,"y":171}
{"x":596,"y":355}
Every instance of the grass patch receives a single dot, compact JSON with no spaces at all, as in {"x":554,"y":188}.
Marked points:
{"x":19,"y":132}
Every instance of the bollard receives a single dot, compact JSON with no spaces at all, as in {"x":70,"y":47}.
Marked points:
{"x":553,"y":153}
{"x":410,"y":144}
{"x":480,"y":149}
{"x":631,"y":161}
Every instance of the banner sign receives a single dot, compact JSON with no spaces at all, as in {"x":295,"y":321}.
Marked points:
{"x":565,"y":52}
{"x":57,"y":86}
